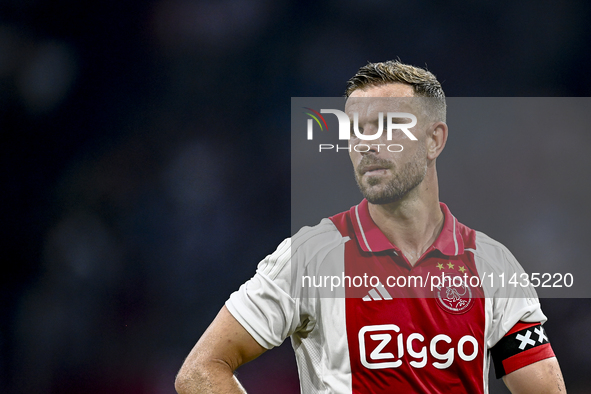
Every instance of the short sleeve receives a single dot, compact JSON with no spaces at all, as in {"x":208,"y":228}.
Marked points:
{"x":263,"y":305}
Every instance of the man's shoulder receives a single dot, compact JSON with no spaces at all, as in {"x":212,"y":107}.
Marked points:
{"x":309,"y":244}
{"x":477,"y":242}
{"x":491,"y":252}
{"x":323,"y":234}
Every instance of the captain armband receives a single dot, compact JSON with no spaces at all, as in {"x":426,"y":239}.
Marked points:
{"x":525,"y":344}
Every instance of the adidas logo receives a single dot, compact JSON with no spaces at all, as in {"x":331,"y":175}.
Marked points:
{"x":380,"y":294}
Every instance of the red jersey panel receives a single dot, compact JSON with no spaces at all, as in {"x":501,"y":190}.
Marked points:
{"x":405,"y":343}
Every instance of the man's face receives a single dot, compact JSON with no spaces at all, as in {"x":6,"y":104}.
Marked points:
{"x":384,"y":176}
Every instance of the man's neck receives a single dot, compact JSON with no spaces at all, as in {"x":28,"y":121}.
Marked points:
{"x":412,"y":224}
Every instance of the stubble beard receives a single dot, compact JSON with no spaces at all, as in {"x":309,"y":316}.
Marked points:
{"x":410,"y":175}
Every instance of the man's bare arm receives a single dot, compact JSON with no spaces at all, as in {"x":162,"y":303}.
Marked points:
{"x":542,"y":377}
{"x":210,"y":366}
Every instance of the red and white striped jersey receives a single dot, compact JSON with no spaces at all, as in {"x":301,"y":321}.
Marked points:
{"x":388,"y":326}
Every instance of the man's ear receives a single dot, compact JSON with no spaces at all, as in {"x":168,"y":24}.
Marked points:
{"x":436,"y":139}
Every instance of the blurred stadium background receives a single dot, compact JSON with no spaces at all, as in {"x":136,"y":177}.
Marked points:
{"x":146,"y":167}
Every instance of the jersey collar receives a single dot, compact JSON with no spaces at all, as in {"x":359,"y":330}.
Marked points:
{"x":371,"y":239}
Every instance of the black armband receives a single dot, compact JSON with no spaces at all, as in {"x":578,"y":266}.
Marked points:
{"x":520,"y":348}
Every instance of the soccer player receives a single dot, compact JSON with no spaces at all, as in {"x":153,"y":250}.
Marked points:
{"x":385,"y":336}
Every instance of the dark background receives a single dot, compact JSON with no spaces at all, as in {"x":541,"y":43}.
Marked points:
{"x":146,"y":166}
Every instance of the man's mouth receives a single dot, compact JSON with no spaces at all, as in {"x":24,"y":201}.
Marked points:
{"x":373,"y":170}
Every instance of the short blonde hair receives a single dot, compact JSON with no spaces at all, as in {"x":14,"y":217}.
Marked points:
{"x":423,"y":82}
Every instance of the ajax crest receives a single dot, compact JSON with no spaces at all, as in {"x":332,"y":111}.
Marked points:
{"x":454,"y":296}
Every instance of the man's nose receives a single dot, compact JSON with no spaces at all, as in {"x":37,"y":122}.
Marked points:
{"x":371,"y":149}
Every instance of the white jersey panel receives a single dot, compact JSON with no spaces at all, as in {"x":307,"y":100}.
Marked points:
{"x":272,"y":306}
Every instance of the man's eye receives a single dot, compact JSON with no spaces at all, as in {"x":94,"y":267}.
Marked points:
{"x":352,"y":131}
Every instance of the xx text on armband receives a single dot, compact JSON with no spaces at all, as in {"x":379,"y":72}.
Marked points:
{"x":523,"y":345}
